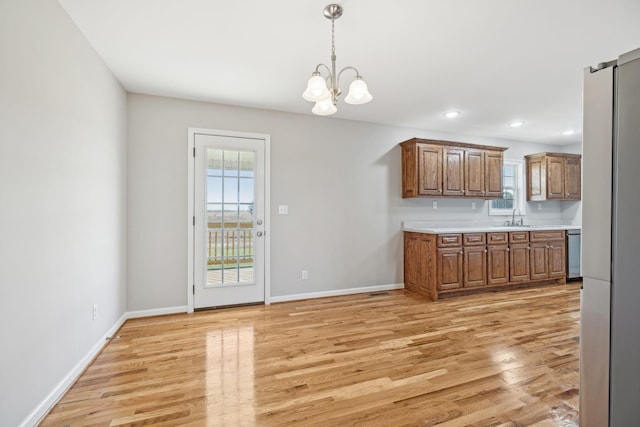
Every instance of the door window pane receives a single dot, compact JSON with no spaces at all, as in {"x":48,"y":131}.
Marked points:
{"x":230,"y":230}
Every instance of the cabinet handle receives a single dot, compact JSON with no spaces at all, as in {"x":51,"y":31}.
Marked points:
{"x":508,"y":249}
{"x":547,"y":246}
{"x":550,"y":247}
{"x":461,"y":252}
{"x":485,"y":251}
{"x":439,"y":191}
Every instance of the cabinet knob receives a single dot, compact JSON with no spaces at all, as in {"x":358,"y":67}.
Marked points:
{"x":508,"y":249}
{"x":439,"y":191}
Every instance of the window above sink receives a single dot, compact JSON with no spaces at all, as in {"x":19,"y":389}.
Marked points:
{"x":513,"y":190}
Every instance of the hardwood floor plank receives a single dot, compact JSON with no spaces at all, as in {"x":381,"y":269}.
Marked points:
{"x":497,"y":359}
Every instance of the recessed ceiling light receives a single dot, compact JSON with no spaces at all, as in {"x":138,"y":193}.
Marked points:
{"x":451,"y":114}
{"x":569,"y":132}
{"x":516,"y":124}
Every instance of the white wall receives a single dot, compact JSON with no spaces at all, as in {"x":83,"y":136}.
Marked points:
{"x":62,"y":202}
{"x":341,"y":180}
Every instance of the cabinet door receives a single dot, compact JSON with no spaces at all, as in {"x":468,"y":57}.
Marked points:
{"x":555,"y":178}
{"x":536,"y":188}
{"x":493,"y":164}
{"x":475,"y":266}
{"x":453,"y":172}
{"x":474,"y":173}
{"x":557,"y":258}
{"x":572,"y":179}
{"x":519,"y":262}
{"x":538,"y":261}
{"x":429,"y":170}
{"x":449,"y":268}
{"x":497,"y":264}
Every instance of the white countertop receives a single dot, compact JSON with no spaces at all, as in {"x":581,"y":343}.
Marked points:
{"x":420,"y":227}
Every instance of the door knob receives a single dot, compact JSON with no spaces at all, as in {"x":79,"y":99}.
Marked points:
{"x":259,"y":222}
{"x":259,"y":233}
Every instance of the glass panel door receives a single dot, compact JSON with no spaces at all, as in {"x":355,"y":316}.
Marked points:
{"x":230,"y":209}
{"x":229,"y":227}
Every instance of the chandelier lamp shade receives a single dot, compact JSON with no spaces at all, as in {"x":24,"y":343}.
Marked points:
{"x":324,"y":90}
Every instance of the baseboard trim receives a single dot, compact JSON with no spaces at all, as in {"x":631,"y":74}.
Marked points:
{"x":337,"y":292}
{"x":157,"y":312}
{"x":63,"y":386}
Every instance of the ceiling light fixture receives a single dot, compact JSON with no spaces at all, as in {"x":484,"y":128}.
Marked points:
{"x":451,"y":114}
{"x":516,"y":124}
{"x":324,"y":91}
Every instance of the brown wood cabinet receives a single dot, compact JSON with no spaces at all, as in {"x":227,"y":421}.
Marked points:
{"x":448,"y":264}
{"x":420,"y":277}
{"x":553,"y":176}
{"x":519,"y":256}
{"x":548,"y":254}
{"x":449,"y":269}
{"x":432,"y":168}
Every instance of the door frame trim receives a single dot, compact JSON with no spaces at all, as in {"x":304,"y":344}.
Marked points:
{"x":191,"y":138}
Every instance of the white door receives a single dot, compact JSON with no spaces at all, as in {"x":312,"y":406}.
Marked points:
{"x":229,"y":206}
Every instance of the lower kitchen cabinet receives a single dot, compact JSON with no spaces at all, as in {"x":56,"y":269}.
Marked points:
{"x":438,"y":265}
{"x":498,"y":264}
{"x":420,"y":277}
{"x":519,"y":262}
{"x":475,"y":266}
{"x":449,"y":268}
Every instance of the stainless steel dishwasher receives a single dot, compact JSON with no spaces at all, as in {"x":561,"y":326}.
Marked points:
{"x":573,"y":255}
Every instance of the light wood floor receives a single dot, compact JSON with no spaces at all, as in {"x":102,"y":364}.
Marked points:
{"x":498,"y":359}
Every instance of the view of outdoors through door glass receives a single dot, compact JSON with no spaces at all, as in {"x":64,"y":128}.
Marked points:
{"x":230,"y":205}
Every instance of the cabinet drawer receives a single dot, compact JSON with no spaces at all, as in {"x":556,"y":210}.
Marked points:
{"x":497,"y":238}
{"x":474,"y":239}
{"x":541,"y":236}
{"x":448,"y":240}
{"x":518,"y":236}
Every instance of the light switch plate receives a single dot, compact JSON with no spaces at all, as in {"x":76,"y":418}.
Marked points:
{"x":283,"y":210}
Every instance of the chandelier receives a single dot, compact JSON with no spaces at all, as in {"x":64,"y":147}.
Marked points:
{"x":324,"y":90}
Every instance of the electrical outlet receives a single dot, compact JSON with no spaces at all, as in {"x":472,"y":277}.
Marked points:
{"x":95,"y":311}
{"x":305,"y":274}
{"x":283,"y":210}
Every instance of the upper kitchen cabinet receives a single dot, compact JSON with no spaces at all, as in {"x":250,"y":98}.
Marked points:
{"x":553,"y":176}
{"x":433,"y":168}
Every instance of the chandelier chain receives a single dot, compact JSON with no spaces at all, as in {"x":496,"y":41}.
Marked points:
{"x":333,"y":37}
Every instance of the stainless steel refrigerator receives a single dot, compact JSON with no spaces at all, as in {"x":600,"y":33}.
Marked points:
{"x":610,"y":298}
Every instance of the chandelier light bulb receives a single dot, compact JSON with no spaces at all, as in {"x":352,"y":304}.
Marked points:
{"x":324,"y":108}
{"x":316,"y":89}
{"x":358,"y":92}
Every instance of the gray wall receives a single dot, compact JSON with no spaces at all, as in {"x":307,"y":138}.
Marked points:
{"x":341,"y":180}
{"x":62,"y":202}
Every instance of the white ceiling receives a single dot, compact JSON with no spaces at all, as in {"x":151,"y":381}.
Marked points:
{"x":493,"y":60}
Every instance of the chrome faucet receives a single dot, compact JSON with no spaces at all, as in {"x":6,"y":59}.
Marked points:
{"x":513,"y":217}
